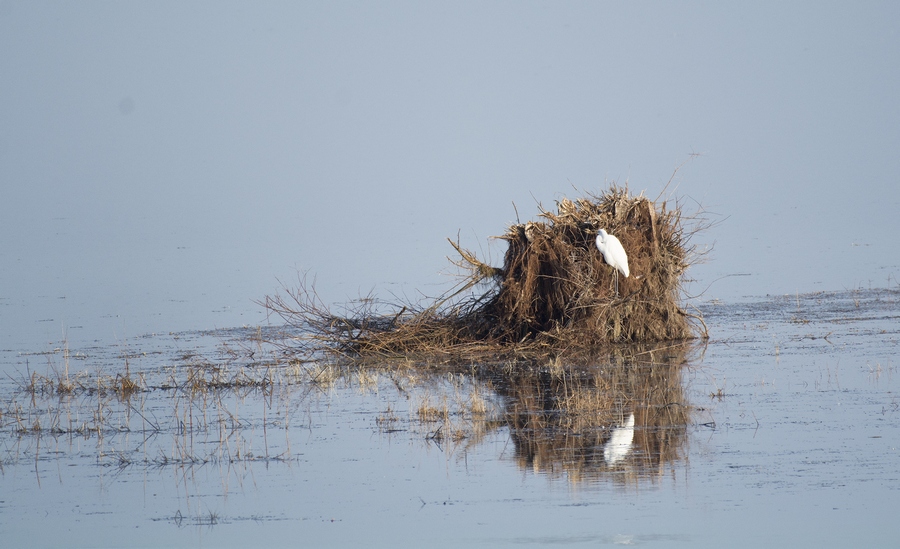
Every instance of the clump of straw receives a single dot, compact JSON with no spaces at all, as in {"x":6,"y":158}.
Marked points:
{"x":554,"y":292}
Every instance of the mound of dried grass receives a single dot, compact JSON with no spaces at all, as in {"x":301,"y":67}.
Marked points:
{"x":555,"y":285}
{"x":554,"y":293}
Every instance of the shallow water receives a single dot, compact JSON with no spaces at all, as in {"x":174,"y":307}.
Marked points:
{"x":164,"y":164}
{"x":791,"y":438}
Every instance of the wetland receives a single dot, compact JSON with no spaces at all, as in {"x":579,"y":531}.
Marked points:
{"x":788,"y":413}
{"x":166,"y":164}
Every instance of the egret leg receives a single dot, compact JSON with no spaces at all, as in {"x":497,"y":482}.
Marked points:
{"x":616,"y":273}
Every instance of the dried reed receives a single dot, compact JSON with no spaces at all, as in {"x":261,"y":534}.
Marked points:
{"x":552,"y":296}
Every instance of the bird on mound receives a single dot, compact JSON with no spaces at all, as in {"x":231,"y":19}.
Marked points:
{"x":614,"y":254}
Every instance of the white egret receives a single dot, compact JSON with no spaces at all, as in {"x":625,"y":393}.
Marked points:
{"x":614,"y":254}
{"x":619,"y":443}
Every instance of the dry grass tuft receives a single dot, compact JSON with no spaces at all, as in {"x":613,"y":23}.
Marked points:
{"x":554,"y":294}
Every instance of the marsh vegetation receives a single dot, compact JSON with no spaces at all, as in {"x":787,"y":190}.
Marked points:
{"x":541,"y":348}
{"x":553,"y":297}
{"x":247,"y":405}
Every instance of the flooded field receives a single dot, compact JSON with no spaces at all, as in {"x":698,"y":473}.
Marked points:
{"x":782,"y":428}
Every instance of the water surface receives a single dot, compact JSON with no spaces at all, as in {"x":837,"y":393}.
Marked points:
{"x":792,"y":420}
{"x":163,"y":165}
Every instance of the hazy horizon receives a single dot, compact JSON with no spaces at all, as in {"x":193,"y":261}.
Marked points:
{"x":165,"y":164}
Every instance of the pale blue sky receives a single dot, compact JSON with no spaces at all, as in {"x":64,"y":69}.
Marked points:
{"x":163,"y":163}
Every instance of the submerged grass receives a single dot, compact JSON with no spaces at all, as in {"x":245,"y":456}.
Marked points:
{"x":558,"y":413}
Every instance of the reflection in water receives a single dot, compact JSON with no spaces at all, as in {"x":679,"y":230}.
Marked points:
{"x":585,"y":421}
{"x":619,"y":443}
{"x":623,"y":416}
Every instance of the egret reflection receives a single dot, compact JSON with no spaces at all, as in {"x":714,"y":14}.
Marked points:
{"x":628,"y":413}
{"x":619,"y":442}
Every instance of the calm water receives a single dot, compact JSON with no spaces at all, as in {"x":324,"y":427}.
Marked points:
{"x":164,"y":165}
{"x":794,"y":422}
